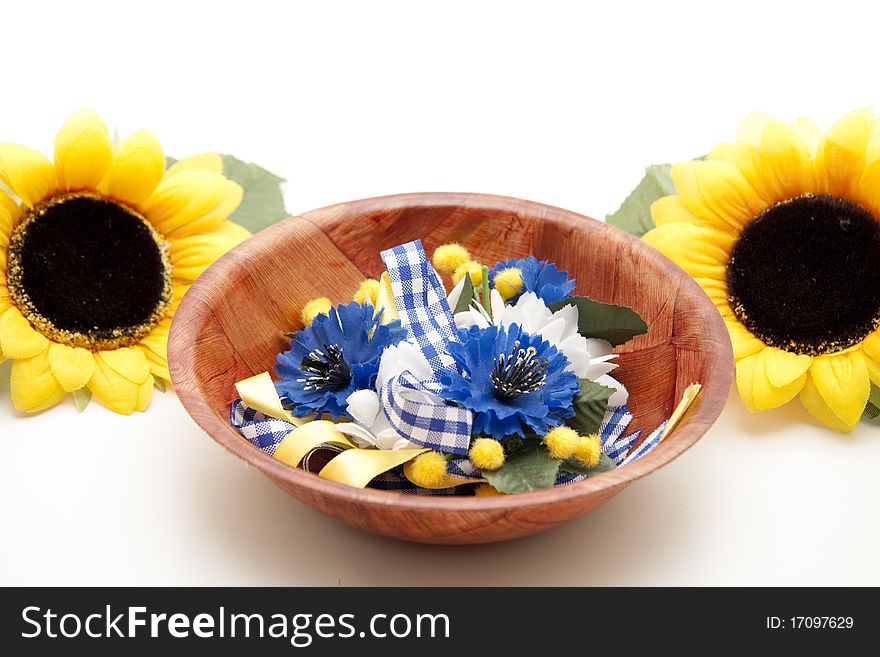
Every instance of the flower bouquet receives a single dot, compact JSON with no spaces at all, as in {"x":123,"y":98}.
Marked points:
{"x":502,"y":385}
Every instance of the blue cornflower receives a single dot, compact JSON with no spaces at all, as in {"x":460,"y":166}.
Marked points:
{"x":334,"y":356}
{"x":513,"y":381}
{"x":540,"y":277}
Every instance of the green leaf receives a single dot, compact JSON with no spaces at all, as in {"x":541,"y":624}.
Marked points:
{"x":170,"y":162}
{"x":263,"y":203}
{"x":616,"y":324}
{"x":81,"y":399}
{"x":604,"y":465}
{"x":530,"y":468}
{"x":874,"y":397}
{"x":5,"y":371}
{"x":159,"y":384}
{"x":872,"y":409}
{"x":468,"y":292}
{"x":589,"y":407}
{"x":634,"y":214}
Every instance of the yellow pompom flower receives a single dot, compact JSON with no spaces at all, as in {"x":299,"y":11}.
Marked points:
{"x":449,"y":257}
{"x":589,"y":450}
{"x":96,"y":250}
{"x":509,"y":282}
{"x":427,"y":470}
{"x":315,"y":307}
{"x":367,"y":292}
{"x":562,"y":442}
{"x":487,"y":454}
{"x":486,"y":490}
{"x":782,"y":231}
{"x":472,"y":268}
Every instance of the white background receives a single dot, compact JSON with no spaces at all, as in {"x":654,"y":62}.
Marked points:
{"x":555,"y":102}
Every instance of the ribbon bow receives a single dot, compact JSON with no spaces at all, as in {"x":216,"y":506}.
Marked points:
{"x":261,"y":418}
{"x":411,"y":404}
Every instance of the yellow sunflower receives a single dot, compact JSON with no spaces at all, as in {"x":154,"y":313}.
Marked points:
{"x":782,"y":231}
{"x":96,"y":251}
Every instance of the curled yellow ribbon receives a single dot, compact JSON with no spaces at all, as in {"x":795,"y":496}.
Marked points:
{"x":687,"y":398}
{"x":354,"y":466}
{"x":258,"y":392}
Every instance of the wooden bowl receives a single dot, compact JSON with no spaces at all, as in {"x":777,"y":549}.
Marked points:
{"x":229,"y":326}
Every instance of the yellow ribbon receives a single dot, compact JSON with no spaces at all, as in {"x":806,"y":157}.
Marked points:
{"x":258,"y":392}
{"x":687,"y":398}
{"x":385,"y":300}
{"x":355,"y":466}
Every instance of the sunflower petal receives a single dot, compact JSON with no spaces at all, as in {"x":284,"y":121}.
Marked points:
{"x":842,"y":381}
{"x":873,"y":366}
{"x":751,"y":128}
{"x":33,"y":387}
{"x":27,"y":173}
{"x":115,"y":391}
{"x":670,"y":210}
{"x":72,"y":366}
{"x":871,"y":352}
{"x":233,"y":231}
{"x":9,"y":217}
{"x":766,"y":394}
{"x":816,"y":406}
{"x":192,"y":202}
{"x":138,"y":167}
{"x":783,"y":164}
{"x":145,"y":393}
{"x":783,"y":367}
{"x":18,"y":339}
{"x":870,"y":181}
{"x":840,"y":159}
{"x":809,"y":132}
{"x":83,"y":152}
{"x":205,"y":161}
{"x":716,"y":289}
{"x":155,"y":348}
{"x":745,"y":380}
{"x":744,"y":342}
{"x":701,"y":252}
{"x":190,"y":256}
{"x":128,"y":362}
{"x":717,"y":191}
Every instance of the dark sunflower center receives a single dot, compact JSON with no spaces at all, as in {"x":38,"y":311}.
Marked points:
{"x":326,"y":368}
{"x":517,"y":373}
{"x":804,"y":275}
{"x":89,"y":272}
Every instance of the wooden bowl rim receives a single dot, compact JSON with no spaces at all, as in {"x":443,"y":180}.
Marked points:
{"x":181,"y":359}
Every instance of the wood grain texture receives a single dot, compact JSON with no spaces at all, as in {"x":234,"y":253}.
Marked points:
{"x":229,"y":323}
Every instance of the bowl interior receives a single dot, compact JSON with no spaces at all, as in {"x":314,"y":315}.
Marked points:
{"x":229,"y":324}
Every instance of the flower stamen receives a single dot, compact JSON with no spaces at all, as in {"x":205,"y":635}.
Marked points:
{"x":518,"y":373}
{"x":326,"y":369}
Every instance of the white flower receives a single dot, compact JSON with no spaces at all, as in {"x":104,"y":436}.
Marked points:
{"x":371,"y":427}
{"x":589,"y":358}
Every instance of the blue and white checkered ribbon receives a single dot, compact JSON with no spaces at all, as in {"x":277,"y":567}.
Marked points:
{"x":647,"y":445}
{"x":614,"y":443}
{"x":421,"y":304}
{"x":260,"y":430}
